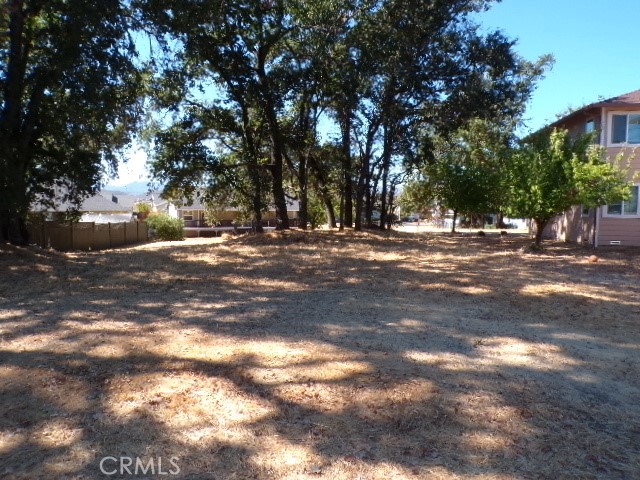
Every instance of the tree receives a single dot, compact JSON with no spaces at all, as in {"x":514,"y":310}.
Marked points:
{"x":217,"y":153}
{"x":551,"y":171}
{"x":466,"y":172}
{"x":234,"y":51}
{"x":70,"y":87}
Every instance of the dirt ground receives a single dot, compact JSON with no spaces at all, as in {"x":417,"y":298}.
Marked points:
{"x":321,"y":356}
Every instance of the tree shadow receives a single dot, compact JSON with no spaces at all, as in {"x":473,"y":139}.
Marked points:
{"x":328,"y":357}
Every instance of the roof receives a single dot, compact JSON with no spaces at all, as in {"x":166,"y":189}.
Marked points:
{"x":106,"y":201}
{"x":631,"y":99}
{"x":628,"y":99}
{"x":197,"y":203}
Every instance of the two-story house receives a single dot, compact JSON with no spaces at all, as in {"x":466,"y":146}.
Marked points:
{"x":617,"y":121}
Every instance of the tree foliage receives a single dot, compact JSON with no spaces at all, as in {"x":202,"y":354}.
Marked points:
{"x":551,"y":171}
{"x":69,"y":91}
{"x":467,"y":171}
{"x":380,"y":72}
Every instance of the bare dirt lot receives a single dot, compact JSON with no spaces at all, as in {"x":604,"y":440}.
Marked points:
{"x":327,"y":355}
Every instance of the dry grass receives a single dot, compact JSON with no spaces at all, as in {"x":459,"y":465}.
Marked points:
{"x":325,"y":355}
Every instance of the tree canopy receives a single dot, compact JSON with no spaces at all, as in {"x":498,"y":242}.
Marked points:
{"x":251,"y":87}
{"x":552,"y":171}
{"x":70,"y":87}
{"x":282,"y":70}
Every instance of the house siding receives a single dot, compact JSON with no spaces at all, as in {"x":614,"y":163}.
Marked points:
{"x":623,"y":230}
{"x":572,"y":226}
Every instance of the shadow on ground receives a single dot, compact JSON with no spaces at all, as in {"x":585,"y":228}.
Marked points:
{"x":321,"y":356}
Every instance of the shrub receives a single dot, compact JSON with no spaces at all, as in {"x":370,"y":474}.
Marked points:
{"x":165,"y":227}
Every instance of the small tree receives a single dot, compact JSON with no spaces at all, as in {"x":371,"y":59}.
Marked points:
{"x":466,"y":173}
{"x":550,"y":172}
{"x":165,"y":227}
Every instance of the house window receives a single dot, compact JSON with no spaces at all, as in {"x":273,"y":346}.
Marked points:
{"x":590,"y":126}
{"x":625,"y":128}
{"x":625,"y":207}
{"x":187,"y":215}
{"x":585,"y":211}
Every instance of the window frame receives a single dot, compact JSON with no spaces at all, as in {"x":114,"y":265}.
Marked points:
{"x":626,"y":142}
{"x":606,"y":213}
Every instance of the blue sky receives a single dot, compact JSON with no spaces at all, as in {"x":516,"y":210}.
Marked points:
{"x":594,"y":43}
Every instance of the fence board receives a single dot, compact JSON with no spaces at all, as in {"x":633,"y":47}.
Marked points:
{"x":87,"y":235}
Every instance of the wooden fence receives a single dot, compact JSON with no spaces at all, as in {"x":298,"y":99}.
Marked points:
{"x":87,"y":235}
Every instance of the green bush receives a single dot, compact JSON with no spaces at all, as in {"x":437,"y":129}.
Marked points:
{"x":165,"y":227}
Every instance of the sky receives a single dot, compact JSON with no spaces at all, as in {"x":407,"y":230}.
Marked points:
{"x":594,"y":43}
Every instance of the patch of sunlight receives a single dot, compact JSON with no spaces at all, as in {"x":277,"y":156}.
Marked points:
{"x":16,"y":326}
{"x":277,"y":454}
{"x":104,"y":301}
{"x":445,"y":360}
{"x":473,"y":290}
{"x":575,"y":290}
{"x":500,"y":351}
{"x":389,"y":257}
{"x":181,"y":401}
{"x":315,"y":371}
{"x":11,"y":441}
{"x":584,"y":378}
{"x":150,"y":304}
{"x":575,"y":336}
{"x":6,"y":314}
{"x":110,"y":350}
{"x":485,"y":441}
{"x":270,"y":284}
{"x":56,"y":433}
{"x":408,"y":325}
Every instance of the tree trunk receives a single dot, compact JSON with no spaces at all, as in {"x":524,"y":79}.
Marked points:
{"x":277,"y":144}
{"x":364,"y":178}
{"x":540,"y":225}
{"x":392,"y":192}
{"x":345,"y":127}
{"x":303,"y":212}
{"x":254,"y":171}
{"x":455,"y":219}
{"x":323,"y":191}
{"x":360,"y":200}
{"x":13,"y":229}
{"x":370,"y":196}
{"x":341,"y":212}
{"x":386,"y":165}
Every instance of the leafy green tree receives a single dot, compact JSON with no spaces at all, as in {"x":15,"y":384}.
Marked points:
{"x":466,"y":172}
{"x":417,"y":196}
{"x":166,"y":227}
{"x":433,"y":70}
{"x":217,"y":153}
{"x":70,"y":86}
{"x":552,"y":171}
{"x":234,"y":51}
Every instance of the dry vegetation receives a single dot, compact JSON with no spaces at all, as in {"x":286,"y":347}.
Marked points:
{"x":355,"y":356}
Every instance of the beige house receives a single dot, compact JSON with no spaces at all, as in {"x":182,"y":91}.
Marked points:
{"x":617,"y":120}
{"x":194,"y":216}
